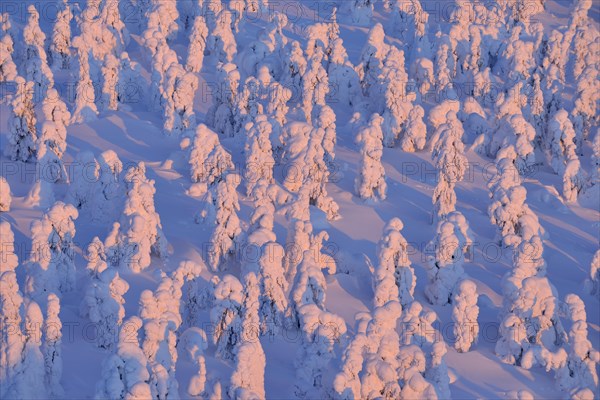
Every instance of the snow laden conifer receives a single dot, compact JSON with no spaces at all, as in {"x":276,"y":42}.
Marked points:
{"x":10,"y":261}
{"x":60,"y":42}
{"x":22,"y":131}
{"x":321,"y":330}
{"x":509,"y":210}
{"x":227,"y":315}
{"x":592,"y":283}
{"x":226,"y":223}
{"x":109,"y":98}
{"x":394,"y":278}
{"x":141,"y":226}
{"x":125,"y":373}
{"x":29,"y":378}
{"x":51,"y":267}
{"x":315,"y":86}
{"x":248,"y":378}
{"x":415,"y":131}
{"x":52,"y":347}
{"x":103,"y":301}
{"x":444,"y":268}
{"x":464,"y":315}
{"x":5,"y":195}
{"x":35,"y":63}
{"x":209,"y":161}
{"x":12,"y":338}
{"x":370,"y":182}
{"x":579,"y":372}
{"x":194,"y":343}
{"x":85,"y":107}
{"x":8,"y":68}
{"x":397,"y":103}
{"x":197,"y":46}
{"x":307,"y":173}
{"x":258,"y":153}
{"x":344,"y":82}
{"x":220,"y":116}
{"x":451,"y":164}
{"x":221,"y":43}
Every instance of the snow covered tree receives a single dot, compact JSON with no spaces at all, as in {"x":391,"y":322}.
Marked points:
{"x":109,"y":98}
{"x":574,"y":180}
{"x":195,"y":343}
{"x":226,"y":315}
{"x":464,"y":315}
{"x":324,"y":118}
{"x":593,"y":282}
{"x":29,"y":378}
{"x":5,"y":195}
{"x":277,"y":107}
{"x":35,"y":64}
{"x":227,"y":224}
{"x":131,"y":87}
{"x":294,"y":68}
{"x":54,"y":127}
{"x":321,"y":330}
{"x":415,"y":131}
{"x":178,"y":89}
{"x":197,"y":46}
{"x":220,"y":116}
{"x":85,"y":97}
{"x":579,"y":370}
{"x":103,"y":301}
{"x":392,"y":251}
{"x":258,"y":153}
{"x":444,"y":268}
{"x":315,"y":86}
{"x":561,"y":141}
{"x":508,"y":210}
{"x":59,"y":49}
{"x":306,"y":171}
{"x":248,"y":378}
{"x":51,"y":267}
{"x":209,"y":161}
{"x":371,"y":177}
{"x":371,"y":66}
{"x":397,"y":104}
{"x":10,"y":261}
{"x":143,"y":233}
{"x":344,"y":83}
{"x":221,"y":41}
{"x":22,"y":124}
{"x":8,"y":68}
{"x":52,"y":347}
{"x":125,"y":374}
{"x":309,"y":286}
{"x":12,"y":338}
{"x":451,"y":164}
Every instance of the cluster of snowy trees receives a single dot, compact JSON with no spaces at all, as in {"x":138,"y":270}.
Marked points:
{"x":277,"y":103}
